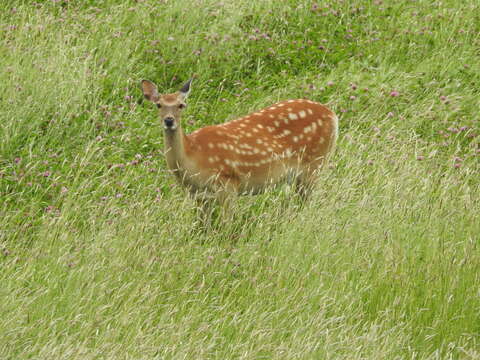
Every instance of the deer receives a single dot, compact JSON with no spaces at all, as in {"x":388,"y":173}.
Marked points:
{"x":247,"y":155}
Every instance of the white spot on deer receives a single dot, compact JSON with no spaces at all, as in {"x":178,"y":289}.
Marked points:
{"x":314,"y":126}
{"x":295,"y":139}
{"x":277,"y":124}
{"x":320,"y":122}
{"x":293,"y":116}
{"x":257,"y":114}
{"x":302,"y":114}
{"x":255,"y":130}
{"x":285,"y":120}
{"x":211,"y":159}
{"x":243,"y":125}
{"x":211,"y":146}
{"x":307,"y":129}
{"x":321,"y":140}
{"x":310,"y":112}
{"x":259,"y":141}
{"x":260,"y":126}
{"x":279,"y":105}
{"x":271,"y":116}
{"x":286,"y":132}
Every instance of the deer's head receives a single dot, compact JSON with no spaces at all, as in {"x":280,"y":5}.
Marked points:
{"x":170,"y":106}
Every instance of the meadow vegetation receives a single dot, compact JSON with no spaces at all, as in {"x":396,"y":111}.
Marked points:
{"x":100,"y":253}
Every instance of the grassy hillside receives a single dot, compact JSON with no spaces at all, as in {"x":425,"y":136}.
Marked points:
{"x":100,"y":251}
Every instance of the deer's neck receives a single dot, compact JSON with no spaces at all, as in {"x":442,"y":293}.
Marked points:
{"x":177,"y":147}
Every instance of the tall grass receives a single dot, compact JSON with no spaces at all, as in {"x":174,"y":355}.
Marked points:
{"x":101,"y":255}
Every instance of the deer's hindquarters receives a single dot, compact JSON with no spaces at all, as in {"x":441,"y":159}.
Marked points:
{"x":261,"y":149}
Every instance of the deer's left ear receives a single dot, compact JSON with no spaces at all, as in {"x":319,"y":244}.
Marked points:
{"x":185,"y":90}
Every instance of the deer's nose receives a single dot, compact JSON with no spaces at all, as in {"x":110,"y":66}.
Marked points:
{"x":169,"y":122}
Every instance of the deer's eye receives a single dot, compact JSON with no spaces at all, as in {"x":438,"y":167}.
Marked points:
{"x":158,"y":106}
{"x":182,"y":106}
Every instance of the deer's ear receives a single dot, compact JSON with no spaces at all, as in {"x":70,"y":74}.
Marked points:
{"x":185,"y":90}
{"x":150,"y":91}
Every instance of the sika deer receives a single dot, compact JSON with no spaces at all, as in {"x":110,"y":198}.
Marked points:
{"x":251,"y":153}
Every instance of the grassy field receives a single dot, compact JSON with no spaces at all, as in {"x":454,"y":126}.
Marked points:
{"x":100,"y":251}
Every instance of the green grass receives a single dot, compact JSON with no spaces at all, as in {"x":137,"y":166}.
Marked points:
{"x":100,"y":253}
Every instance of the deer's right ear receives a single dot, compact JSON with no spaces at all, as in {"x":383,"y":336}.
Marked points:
{"x":150,"y":91}
{"x":185,"y":90}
